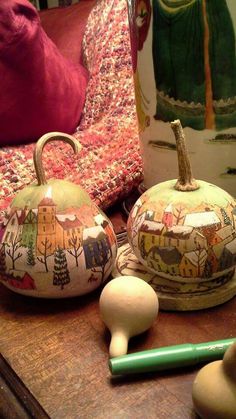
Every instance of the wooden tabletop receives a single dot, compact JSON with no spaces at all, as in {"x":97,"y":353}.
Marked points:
{"x":59,"y":349}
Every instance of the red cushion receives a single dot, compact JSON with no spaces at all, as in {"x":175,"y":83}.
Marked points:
{"x":65,"y":26}
{"x":41,"y":90}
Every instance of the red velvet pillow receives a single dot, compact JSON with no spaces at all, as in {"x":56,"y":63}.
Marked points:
{"x":41,"y":90}
{"x":65,"y":26}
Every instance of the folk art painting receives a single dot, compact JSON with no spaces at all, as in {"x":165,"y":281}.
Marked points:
{"x":184,"y":66}
{"x":64,"y":249}
{"x":181,"y":242}
{"x":55,"y":242}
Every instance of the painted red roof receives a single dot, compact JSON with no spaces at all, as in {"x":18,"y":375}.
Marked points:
{"x":68,"y":224}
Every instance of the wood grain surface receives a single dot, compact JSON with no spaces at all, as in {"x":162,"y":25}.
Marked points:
{"x":59,"y":349}
{"x":15,"y":398}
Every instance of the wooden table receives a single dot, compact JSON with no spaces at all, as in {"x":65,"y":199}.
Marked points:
{"x":59,"y":349}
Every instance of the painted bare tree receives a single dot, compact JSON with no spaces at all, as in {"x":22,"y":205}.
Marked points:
{"x":137,"y":224}
{"x":13,"y":251}
{"x":178,"y":214}
{"x":101,"y":269}
{"x":46,"y":245}
{"x":3,"y":267}
{"x":208,"y":270}
{"x":77,"y":249}
{"x":201,"y":260}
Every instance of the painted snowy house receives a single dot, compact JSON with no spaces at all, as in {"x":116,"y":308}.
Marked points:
{"x":193,"y":264}
{"x":185,"y":238}
{"x":29,"y":229}
{"x":134,"y":225}
{"x":149,"y":215}
{"x":97,"y":250}
{"x":109,"y":232}
{"x":207,"y":223}
{"x":46,"y":231}
{"x":164,"y":259}
{"x":224,"y":235}
{"x":150,"y":234}
{"x":14,"y":227}
{"x":228,"y":256}
{"x":167,"y":218}
{"x":69,"y":231}
{"x":136,"y":207}
{"x":56,"y":230}
{"x":100,"y":220}
{"x":86,"y":214}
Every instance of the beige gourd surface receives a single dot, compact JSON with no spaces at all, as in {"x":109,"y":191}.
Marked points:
{"x":128,"y":307}
{"x":214,"y":388}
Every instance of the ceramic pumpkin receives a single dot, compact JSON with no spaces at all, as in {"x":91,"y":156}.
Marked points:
{"x":185,"y":230}
{"x":55,"y":241}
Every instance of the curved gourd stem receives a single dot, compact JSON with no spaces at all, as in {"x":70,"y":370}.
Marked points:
{"x":185,"y":182}
{"x":37,"y":157}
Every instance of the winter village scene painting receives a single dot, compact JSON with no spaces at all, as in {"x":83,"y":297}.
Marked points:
{"x":184,"y":246}
{"x":50,"y":253}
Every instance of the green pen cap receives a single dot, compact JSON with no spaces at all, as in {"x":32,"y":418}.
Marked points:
{"x":169,"y":357}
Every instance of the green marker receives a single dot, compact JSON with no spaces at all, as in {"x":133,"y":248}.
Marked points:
{"x":169,"y":357}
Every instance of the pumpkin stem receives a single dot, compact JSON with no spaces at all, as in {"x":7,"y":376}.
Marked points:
{"x":185,"y":182}
{"x":51,"y":136}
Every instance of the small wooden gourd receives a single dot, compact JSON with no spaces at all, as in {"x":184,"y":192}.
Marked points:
{"x":56,"y":242}
{"x":128,"y":307}
{"x":185,"y":230}
{"x":214,"y":388}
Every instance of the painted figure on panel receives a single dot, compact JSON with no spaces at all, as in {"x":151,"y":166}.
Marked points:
{"x":194,"y":63}
{"x":139,"y":25}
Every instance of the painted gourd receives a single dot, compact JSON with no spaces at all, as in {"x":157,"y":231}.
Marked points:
{"x":185,"y":230}
{"x":55,"y":241}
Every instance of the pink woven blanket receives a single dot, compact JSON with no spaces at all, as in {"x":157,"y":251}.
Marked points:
{"x":109,"y":165}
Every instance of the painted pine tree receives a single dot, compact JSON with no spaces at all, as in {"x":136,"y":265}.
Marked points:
{"x":60,"y":273}
{"x":225,"y":216}
{"x":30,"y":254}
